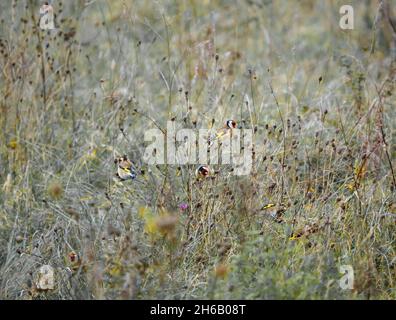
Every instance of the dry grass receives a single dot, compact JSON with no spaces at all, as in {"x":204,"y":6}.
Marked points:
{"x":75,"y":98}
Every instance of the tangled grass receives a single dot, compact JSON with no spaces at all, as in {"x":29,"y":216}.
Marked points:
{"x":321,"y":193}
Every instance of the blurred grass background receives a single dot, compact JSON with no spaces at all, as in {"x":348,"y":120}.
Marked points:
{"x":74,"y":98}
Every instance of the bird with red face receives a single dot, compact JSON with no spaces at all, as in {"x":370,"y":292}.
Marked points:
{"x":202,"y":172}
{"x":223,"y":132}
{"x":124,"y":168}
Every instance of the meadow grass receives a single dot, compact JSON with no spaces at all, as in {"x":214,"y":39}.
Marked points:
{"x":321,"y":102}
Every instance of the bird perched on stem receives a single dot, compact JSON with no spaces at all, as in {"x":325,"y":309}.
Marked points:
{"x":124,"y":168}
{"x":202,"y":172}
{"x":223,"y":132}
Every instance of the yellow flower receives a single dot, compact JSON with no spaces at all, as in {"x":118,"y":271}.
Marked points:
{"x":115,"y":270}
{"x":151,"y":225}
{"x":350,"y":186}
{"x":142,"y":211}
{"x":13,"y":144}
{"x":91,"y":155}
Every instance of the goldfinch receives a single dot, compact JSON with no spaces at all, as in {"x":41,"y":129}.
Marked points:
{"x":75,"y":262}
{"x":124,"y":168}
{"x":224,"y":131}
{"x":202,"y":172}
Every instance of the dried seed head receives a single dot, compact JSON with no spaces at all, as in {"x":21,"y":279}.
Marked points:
{"x":55,"y":190}
{"x":166,"y":224}
{"x":221,"y":271}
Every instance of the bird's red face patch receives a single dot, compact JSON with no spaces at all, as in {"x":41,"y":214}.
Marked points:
{"x":204,"y":171}
{"x":231,"y":124}
{"x":72,"y":256}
